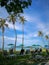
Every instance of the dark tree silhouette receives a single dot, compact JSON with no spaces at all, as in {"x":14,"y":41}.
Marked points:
{"x":15,"y":6}
{"x":2,"y":26}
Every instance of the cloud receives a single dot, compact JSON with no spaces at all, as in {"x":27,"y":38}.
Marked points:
{"x":38,"y":24}
{"x":11,"y":26}
{"x":29,"y":39}
{"x":33,"y":24}
{"x":7,"y":38}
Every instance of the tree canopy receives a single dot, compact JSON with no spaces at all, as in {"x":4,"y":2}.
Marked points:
{"x":16,"y":6}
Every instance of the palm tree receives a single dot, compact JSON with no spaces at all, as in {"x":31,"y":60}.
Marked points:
{"x":12,"y":18}
{"x":40,"y":34}
{"x":2,"y":26}
{"x":22,"y":19}
{"x":47,"y":38}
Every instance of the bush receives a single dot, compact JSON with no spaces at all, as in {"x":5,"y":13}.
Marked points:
{"x":44,"y":54}
{"x":11,"y":51}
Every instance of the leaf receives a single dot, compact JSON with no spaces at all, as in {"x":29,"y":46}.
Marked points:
{"x":46,"y":37}
{"x":40,"y":33}
{"x":16,"y":6}
{"x":6,"y":25}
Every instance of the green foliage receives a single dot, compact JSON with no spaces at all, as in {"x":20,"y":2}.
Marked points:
{"x":16,"y":6}
{"x":23,"y":57}
{"x":43,"y":64}
{"x":3,"y":2}
{"x":40,"y":33}
{"x":13,"y":61}
{"x":44,"y":54}
{"x":17,"y":60}
{"x":2,"y":26}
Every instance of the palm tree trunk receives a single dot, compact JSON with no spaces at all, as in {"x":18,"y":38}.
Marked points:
{"x":15,"y":38}
{"x":23,"y":35}
{"x":43,"y":40}
{"x":48,"y":43}
{"x":2,"y":38}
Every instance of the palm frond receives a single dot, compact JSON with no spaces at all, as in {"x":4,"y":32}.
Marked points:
{"x":40,"y":33}
{"x":12,"y":18}
{"x":22,"y":19}
{"x":6,"y":25}
{"x":46,"y":37}
{"x":0,"y":26}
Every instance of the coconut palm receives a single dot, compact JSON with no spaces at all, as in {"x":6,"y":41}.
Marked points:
{"x":40,"y":33}
{"x":12,"y":18}
{"x":22,"y":19}
{"x":47,"y":38}
{"x":2,"y":26}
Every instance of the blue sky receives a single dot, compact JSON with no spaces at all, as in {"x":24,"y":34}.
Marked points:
{"x":37,"y":16}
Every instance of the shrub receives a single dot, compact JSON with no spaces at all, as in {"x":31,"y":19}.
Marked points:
{"x":44,"y":54}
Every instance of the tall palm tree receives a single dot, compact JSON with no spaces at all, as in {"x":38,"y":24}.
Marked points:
{"x":47,"y":38}
{"x":12,"y":18}
{"x":22,"y":19}
{"x":2,"y":26}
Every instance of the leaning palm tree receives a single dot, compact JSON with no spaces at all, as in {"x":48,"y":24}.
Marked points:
{"x":2,"y":26}
{"x":22,"y":19}
{"x":12,"y":18}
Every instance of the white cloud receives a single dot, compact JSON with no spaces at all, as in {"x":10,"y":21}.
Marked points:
{"x":33,"y":35}
{"x":39,"y":24}
{"x":11,"y":26}
{"x":7,"y":38}
{"x":31,"y":18}
{"x":27,"y":39}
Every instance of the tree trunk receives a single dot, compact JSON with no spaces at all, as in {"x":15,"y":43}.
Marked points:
{"x":23,"y":36}
{"x":48,"y":42}
{"x":43,"y":40}
{"x":15,"y":38}
{"x":2,"y":38}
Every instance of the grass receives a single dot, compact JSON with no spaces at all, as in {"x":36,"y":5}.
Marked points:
{"x":21,"y":60}
{"x":18,"y":60}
